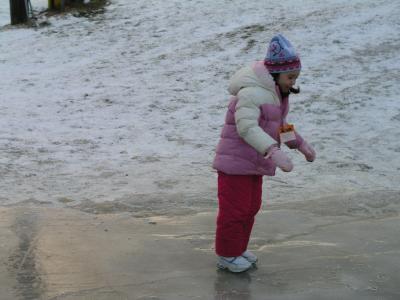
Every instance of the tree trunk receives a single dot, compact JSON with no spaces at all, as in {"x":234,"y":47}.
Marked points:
{"x":57,"y":4}
{"x":18,"y":11}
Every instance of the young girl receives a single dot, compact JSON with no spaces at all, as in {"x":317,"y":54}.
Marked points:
{"x":255,"y":126}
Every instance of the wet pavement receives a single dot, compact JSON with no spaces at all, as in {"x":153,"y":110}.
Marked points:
{"x":343,"y":247}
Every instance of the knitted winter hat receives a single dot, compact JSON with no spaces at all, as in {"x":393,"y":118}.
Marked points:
{"x":281,"y":56}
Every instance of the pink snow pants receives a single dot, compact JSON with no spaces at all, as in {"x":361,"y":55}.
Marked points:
{"x":239,"y":200}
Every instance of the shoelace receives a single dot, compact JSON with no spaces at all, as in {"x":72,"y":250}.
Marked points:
{"x":233,"y":259}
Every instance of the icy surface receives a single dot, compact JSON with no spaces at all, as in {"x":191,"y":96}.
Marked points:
{"x":128,"y":105}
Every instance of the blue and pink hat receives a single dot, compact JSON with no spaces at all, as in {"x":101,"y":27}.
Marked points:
{"x":281,"y":56}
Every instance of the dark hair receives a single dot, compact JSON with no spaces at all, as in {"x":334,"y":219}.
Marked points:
{"x":293,"y":90}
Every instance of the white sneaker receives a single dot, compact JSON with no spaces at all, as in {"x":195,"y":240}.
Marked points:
{"x":250,"y":257}
{"x":234,"y":264}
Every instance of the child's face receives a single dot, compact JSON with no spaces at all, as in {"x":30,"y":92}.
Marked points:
{"x":287,"y":80}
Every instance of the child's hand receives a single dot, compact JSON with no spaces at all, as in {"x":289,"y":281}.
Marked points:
{"x":281,"y":160}
{"x":308,"y":151}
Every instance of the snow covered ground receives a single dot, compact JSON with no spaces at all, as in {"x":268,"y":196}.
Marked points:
{"x":127,"y":106}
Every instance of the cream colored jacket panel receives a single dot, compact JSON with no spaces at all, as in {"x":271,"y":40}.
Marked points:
{"x":252,"y":92}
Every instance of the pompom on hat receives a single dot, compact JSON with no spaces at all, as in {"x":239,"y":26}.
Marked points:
{"x":281,"y":56}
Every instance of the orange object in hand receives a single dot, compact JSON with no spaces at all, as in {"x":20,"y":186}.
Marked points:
{"x":286,"y":128}
{"x":286,"y":133}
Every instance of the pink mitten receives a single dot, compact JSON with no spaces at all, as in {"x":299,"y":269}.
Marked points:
{"x":308,"y":151}
{"x":281,"y":160}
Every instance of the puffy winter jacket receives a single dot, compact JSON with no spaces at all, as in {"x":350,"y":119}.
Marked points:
{"x":255,"y":113}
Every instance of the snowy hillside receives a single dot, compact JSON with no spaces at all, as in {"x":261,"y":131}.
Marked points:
{"x":127,"y":106}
